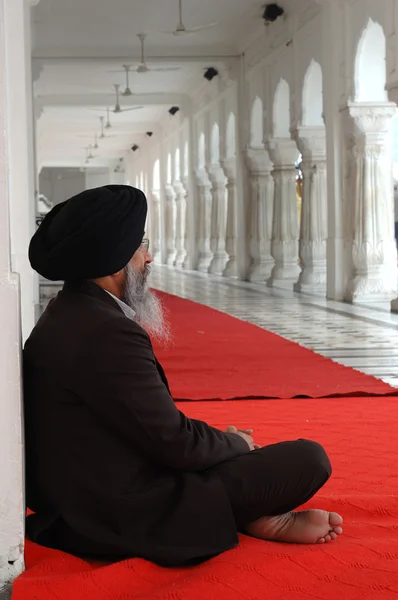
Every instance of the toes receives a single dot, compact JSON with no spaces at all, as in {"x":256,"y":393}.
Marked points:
{"x":321,"y":541}
{"x":328,"y":538}
{"x":335,"y":520}
{"x":333,"y":535}
{"x":338,"y":530}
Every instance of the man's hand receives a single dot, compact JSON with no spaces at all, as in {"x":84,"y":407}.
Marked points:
{"x":246,"y":434}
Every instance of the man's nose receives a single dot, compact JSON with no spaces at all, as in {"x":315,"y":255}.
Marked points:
{"x":148,"y":258}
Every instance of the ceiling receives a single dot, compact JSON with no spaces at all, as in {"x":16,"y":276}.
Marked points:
{"x":79,"y":47}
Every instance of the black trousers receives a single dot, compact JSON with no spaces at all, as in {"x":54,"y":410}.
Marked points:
{"x":273,"y":480}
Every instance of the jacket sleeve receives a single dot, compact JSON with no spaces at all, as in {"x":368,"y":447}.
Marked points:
{"x":127,"y":393}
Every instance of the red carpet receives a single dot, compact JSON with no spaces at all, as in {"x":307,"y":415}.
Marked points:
{"x":360,"y":437}
{"x":215,"y":356}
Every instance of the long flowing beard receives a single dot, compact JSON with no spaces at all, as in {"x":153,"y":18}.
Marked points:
{"x":148,"y":309}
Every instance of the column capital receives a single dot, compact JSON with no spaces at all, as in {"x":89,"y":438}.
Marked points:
{"x":283,"y":152}
{"x":229,"y":166}
{"x":216,"y":174}
{"x":370,"y":119}
{"x":259,"y":161}
{"x":311,"y":141}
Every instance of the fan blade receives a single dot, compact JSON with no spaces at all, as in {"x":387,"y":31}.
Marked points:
{"x":165,"y":70}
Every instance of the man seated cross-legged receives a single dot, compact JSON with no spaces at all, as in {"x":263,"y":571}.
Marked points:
{"x":114,"y":469}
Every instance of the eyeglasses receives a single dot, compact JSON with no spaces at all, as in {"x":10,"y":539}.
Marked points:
{"x":145,"y":245}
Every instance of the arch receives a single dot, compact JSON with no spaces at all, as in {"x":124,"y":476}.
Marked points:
{"x":168,"y":171}
{"x":370,"y":65}
{"x":215,"y":144}
{"x":313,"y":96}
{"x":256,"y":124}
{"x":186,"y":160}
{"x":156,"y":175}
{"x":231,"y":135}
{"x":201,"y":151}
{"x":177,"y":164}
{"x":281,"y":112}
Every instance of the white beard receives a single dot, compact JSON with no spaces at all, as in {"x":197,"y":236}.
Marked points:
{"x":148,"y":309}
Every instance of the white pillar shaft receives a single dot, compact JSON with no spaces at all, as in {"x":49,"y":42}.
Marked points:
{"x":218,"y":220}
{"x":12,"y":26}
{"x":170,"y":222}
{"x":313,"y":230}
{"x":371,"y":209}
{"x":261,"y":212}
{"x":188,"y":243}
{"x":155,"y":226}
{"x":229,"y":166}
{"x":203,"y":221}
{"x":285,"y":225}
{"x":180,"y":223}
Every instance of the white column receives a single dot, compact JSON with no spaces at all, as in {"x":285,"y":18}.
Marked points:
{"x":261,"y":212}
{"x":369,"y":203}
{"x":311,"y":142}
{"x":203,"y":220}
{"x":285,"y":225}
{"x":229,"y":166}
{"x":13,"y":23}
{"x":218,"y":219}
{"x":170,"y":222}
{"x":22,"y":177}
{"x":155,"y":226}
{"x":187,"y":260}
{"x":181,"y":206}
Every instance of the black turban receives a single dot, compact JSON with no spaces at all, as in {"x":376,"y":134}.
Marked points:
{"x":92,"y":235}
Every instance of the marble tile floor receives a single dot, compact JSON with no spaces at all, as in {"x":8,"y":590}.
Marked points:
{"x":365,"y":338}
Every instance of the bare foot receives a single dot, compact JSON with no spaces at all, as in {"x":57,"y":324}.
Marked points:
{"x":305,"y":527}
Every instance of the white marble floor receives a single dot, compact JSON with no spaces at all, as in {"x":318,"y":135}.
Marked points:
{"x":360,"y":337}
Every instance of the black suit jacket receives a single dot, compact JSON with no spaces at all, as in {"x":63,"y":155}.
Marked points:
{"x":114,"y":469}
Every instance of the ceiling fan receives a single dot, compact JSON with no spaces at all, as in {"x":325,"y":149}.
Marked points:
{"x":118,"y":109}
{"x":108,"y":124}
{"x":182,"y":30}
{"x":143,"y":67}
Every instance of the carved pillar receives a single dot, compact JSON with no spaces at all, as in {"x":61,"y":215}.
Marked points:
{"x":155,"y":225}
{"x":203,"y":220}
{"x":369,"y":203}
{"x":187,"y":246}
{"x":311,"y":141}
{"x":229,"y":166}
{"x":180,"y":222}
{"x":261,"y":211}
{"x":170,"y":214}
{"x":285,"y":223}
{"x":218,"y":219}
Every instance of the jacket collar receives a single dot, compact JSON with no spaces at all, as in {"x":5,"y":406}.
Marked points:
{"x":91,"y":289}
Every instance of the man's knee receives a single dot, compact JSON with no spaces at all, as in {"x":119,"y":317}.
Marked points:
{"x":315,"y":458}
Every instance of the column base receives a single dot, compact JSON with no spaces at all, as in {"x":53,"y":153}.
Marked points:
{"x":310,"y":288}
{"x":218,"y":263}
{"x":365,"y":289}
{"x":179,"y":262}
{"x":231,"y":269}
{"x":312,"y":281}
{"x":283,"y":274}
{"x":204,"y":262}
{"x":261,"y":270}
{"x":171,"y":259}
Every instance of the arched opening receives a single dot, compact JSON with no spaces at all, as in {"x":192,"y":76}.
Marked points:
{"x":177,"y":165}
{"x":231,"y":136}
{"x":281,"y":111}
{"x":201,"y":151}
{"x":156,"y":175}
{"x":256,"y":124}
{"x":186,"y":159}
{"x":215,"y":144}
{"x":168,"y":171}
{"x":370,"y":65}
{"x":313,"y":96}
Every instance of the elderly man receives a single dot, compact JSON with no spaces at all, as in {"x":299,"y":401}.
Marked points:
{"x":114,"y":469}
